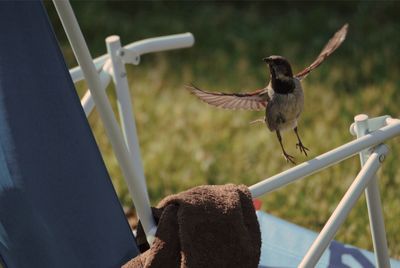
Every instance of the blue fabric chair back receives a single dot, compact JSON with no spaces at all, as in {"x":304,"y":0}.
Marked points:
{"x":58,"y":207}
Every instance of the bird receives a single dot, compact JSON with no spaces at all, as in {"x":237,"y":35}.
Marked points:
{"x":282,"y":98}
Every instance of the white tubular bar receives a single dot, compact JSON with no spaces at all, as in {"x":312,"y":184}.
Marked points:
{"x":342,"y":210}
{"x":123,"y":97}
{"x":126,"y":110}
{"x":76,"y":72}
{"x":82,"y":54}
{"x":87,"y":100}
{"x":156,"y":44}
{"x":373,"y":199}
{"x":327,"y":159}
{"x":162,"y":43}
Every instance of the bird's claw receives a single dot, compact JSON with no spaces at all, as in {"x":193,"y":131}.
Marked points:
{"x":289,"y":158}
{"x":302,"y":148}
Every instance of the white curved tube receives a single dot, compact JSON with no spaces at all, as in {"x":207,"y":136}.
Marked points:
{"x":87,"y":101}
{"x":150,"y":45}
{"x":327,"y":159}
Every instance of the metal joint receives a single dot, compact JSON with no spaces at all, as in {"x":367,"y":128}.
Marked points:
{"x":129,"y":56}
{"x":373,"y":123}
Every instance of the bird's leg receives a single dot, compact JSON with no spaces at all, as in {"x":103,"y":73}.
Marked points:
{"x":288,"y":157}
{"x":300,"y":145}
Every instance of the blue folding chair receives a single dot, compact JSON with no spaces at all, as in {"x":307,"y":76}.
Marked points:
{"x":57,"y":204}
{"x":58,"y":207}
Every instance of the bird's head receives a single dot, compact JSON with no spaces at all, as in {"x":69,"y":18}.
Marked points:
{"x":281,"y":74}
{"x":278,"y":66}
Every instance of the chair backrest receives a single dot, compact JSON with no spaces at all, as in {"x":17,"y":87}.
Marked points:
{"x":58,"y":207}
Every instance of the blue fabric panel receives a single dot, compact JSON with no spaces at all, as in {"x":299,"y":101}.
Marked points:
{"x":284,"y":244}
{"x":58,"y":207}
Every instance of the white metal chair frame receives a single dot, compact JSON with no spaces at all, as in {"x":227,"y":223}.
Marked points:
{"x":371,"y":133}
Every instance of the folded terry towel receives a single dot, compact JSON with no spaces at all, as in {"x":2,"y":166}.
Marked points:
{"x":207,"y":226}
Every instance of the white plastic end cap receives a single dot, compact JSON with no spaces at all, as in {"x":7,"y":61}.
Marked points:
{"x":360,"y":118}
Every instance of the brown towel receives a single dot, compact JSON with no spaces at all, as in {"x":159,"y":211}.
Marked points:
{"x":207,"y":226}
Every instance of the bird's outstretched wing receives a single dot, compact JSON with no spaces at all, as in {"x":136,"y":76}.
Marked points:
{"x":329,"y":48}
{"x":256,"y":100}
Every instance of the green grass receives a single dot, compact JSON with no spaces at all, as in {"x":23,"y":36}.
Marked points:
{"x":186,"y":143}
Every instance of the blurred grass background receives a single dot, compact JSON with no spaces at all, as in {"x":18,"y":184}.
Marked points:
{"x":186,"y":143}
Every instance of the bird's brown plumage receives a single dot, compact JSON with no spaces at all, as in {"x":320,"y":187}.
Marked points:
{"x":257,"y":100}
{"x":329,"y":48}
{"x":282,"y":98}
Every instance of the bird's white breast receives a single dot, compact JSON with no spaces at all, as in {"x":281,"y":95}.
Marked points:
{"x":283,"y":110}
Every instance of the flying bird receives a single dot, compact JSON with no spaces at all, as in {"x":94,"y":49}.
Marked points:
{"x":282,"y":98}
